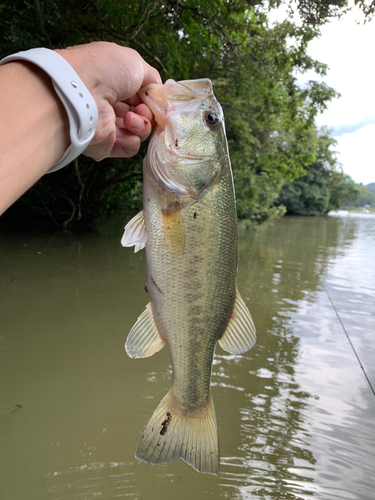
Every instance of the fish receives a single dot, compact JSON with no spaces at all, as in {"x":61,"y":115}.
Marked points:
{"x":188,"y":227}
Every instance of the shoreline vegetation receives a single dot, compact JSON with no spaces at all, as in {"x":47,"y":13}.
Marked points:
{"x":282,"y":163}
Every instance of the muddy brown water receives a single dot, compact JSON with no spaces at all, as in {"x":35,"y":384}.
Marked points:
{"x":296,"y":414}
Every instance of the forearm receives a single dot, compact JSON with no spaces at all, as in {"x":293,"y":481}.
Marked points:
{"x":34,"y":129}
{"x":34,"y":125}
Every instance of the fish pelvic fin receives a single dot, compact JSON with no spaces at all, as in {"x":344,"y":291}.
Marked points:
{"x":135,"y":233}
{"x":240,"y":335}
{"x":144,"y":338}
{"x":173,"y":433}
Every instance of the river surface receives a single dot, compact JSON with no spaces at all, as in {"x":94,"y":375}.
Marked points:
{"x":296,"y":414}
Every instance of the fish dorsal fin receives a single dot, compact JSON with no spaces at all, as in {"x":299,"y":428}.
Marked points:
{"x":135,"y":233}
{"x":240,"y":335}
{"x":144,"y":338}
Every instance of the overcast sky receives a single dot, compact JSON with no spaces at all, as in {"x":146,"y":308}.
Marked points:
{"x":349,"y":50}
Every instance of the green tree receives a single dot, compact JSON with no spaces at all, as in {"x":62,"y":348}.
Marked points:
{"x":366,"y":197}
{"x":324,"y":187}
{"x":316,"y":12}
{"x":367,"y":7}
{"x":251,"y":62}
{"x":344,"y":191}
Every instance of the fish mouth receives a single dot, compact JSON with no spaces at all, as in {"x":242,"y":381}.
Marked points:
{"x":165,"y":101}
{"x":174,"y":95}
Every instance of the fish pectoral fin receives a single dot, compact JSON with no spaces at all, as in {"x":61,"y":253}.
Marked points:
{"x":144,"y":338}
{"x":172,"y":433}
{"x":135,"y":233}
{"x":240,"y":335}
{"x":174,"y":229}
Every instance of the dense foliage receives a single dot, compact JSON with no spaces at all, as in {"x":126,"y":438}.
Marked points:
{"x":253,"y":63}
{"x":324,"y":187}
{"x":366,"y":196}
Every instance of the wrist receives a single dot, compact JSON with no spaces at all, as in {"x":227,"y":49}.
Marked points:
{"x":35,"y":87}
{"x":74,"y":95}
{"x":34,"y":128}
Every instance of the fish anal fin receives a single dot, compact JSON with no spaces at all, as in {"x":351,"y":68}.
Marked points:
{"x":144,"y":339}
{"x":135,"y":233}
{"x":240,"y":335}
{"x":174,"y":228}
{"x":171,"y":434}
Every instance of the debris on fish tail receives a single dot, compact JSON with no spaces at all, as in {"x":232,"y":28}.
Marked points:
{"x":171,"y":434}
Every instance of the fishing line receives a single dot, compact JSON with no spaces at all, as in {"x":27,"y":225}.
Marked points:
{"x":350,"y":342}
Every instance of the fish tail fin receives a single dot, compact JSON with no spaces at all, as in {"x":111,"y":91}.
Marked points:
{"x":173,"y":433}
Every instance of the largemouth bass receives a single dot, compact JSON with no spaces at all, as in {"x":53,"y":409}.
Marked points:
{"x":189,"y":229}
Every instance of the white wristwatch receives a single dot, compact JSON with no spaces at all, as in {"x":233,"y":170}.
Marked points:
{"x":79,"y":103}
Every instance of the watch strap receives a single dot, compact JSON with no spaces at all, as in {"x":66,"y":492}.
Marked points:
{"x":77,"y":100}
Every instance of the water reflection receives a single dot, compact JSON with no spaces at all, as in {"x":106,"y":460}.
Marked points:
{"x":305,"y":400}
{"x":295,"y":414}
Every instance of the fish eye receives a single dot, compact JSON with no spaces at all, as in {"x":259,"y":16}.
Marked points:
{"x":211,"y":119}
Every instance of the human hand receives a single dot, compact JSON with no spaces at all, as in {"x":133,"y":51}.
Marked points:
{"x":113,"y":75}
